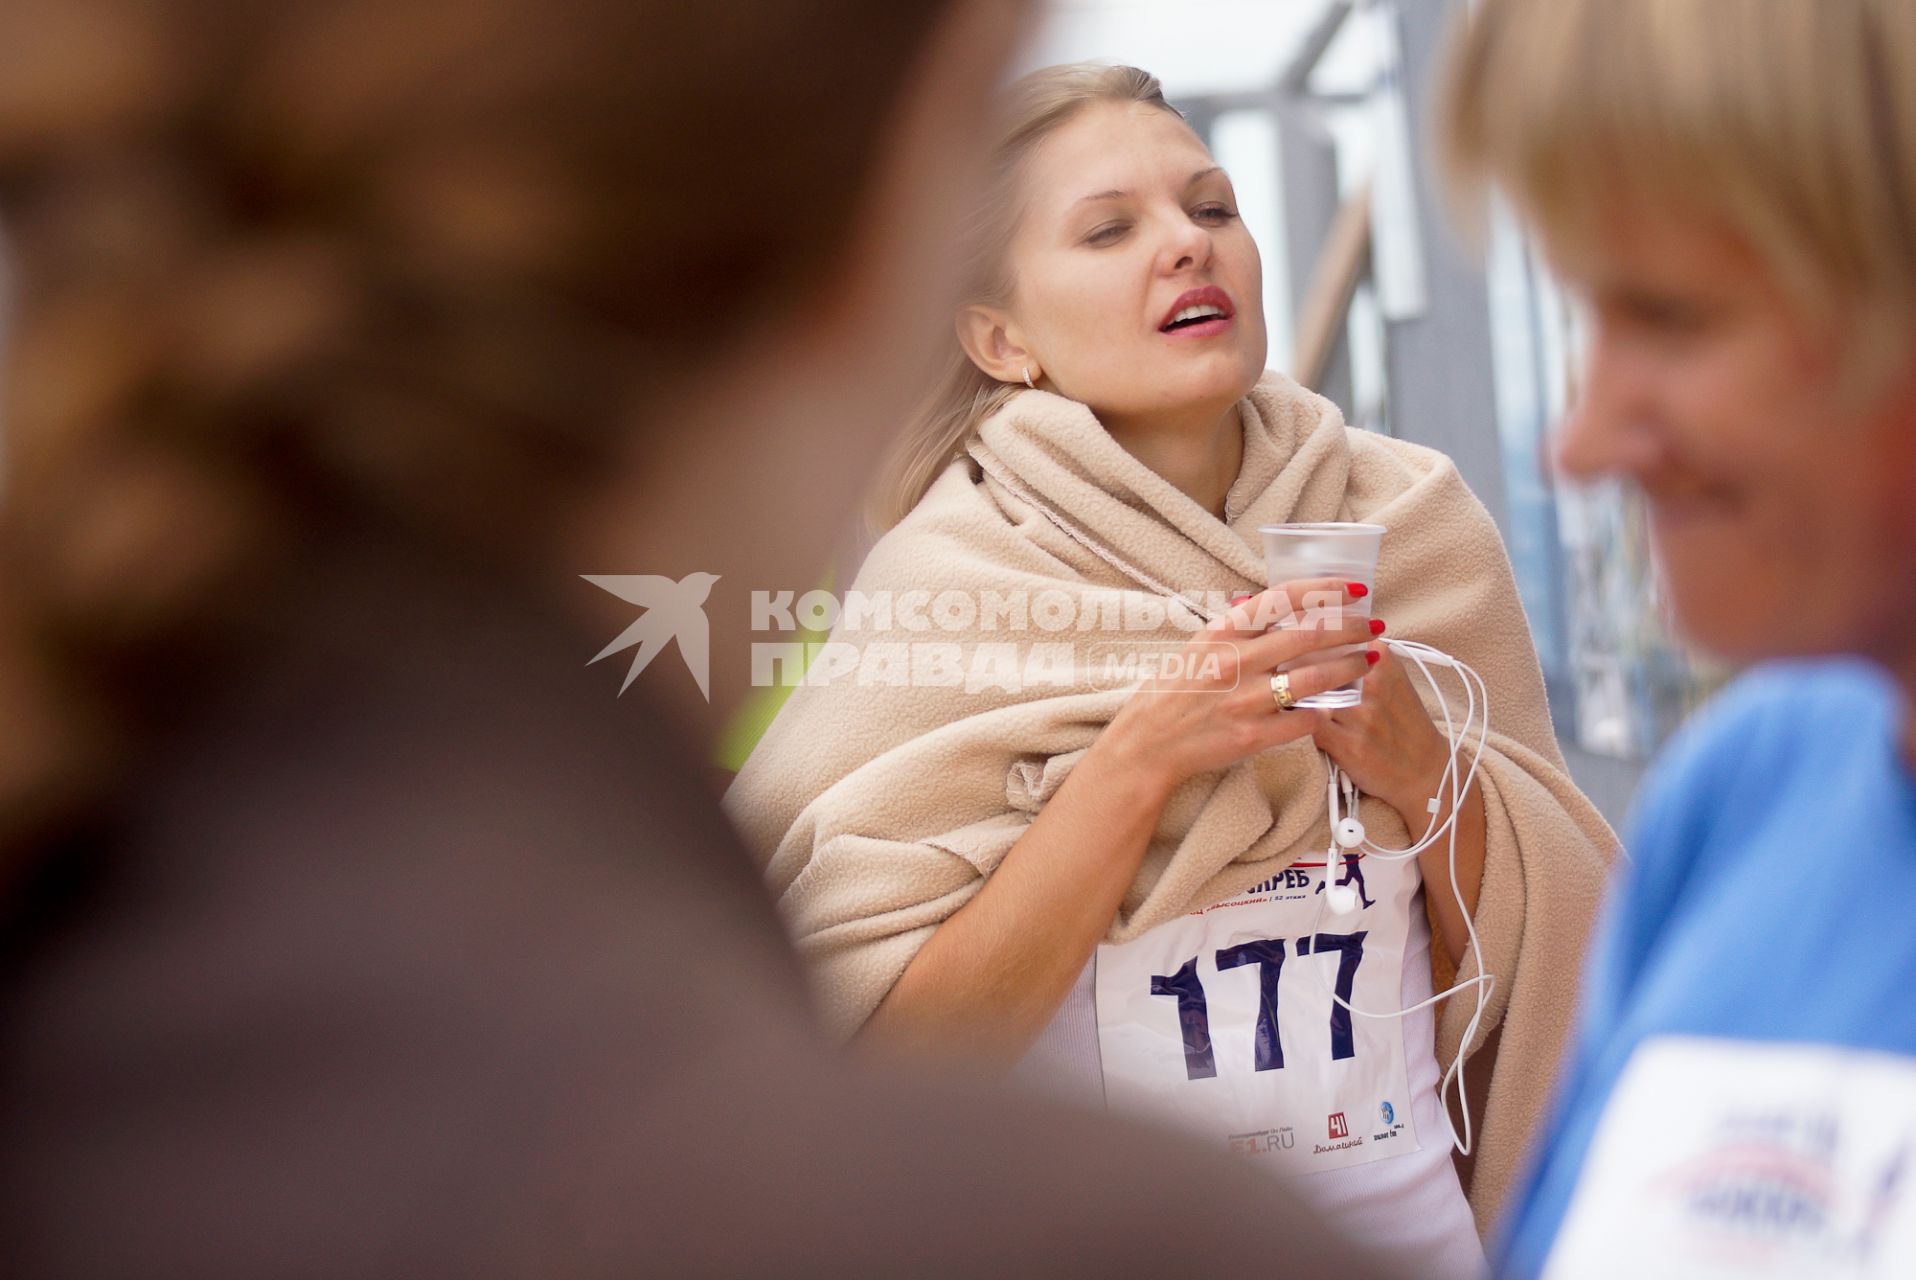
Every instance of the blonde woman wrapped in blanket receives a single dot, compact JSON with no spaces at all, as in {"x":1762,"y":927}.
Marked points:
{"x":1012,"y":870}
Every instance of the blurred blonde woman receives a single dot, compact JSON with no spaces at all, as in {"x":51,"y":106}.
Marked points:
{"x":1731,"y":186}
{"x":1117,"y":891}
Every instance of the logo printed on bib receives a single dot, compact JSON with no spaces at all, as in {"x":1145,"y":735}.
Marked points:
{"x":1340,"y":1127}
{"x":1256,"y":1144}
{"x":1746,"y":1159}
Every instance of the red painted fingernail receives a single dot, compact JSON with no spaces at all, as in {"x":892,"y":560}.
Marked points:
{"x":1377,"y":626}
{"x":1357,"y":589}
{"x":1373,"y":657}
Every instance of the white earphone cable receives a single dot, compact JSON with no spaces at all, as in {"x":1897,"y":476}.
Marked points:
{"x":1482,"y":982}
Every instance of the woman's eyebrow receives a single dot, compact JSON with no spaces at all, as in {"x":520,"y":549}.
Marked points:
{"x":1118,"y":194}
{"x":1113,"y":194}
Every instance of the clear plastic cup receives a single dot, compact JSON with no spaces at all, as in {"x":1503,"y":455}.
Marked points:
{"x":1347,"y":552}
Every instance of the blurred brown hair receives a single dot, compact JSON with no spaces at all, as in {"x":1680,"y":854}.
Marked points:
{"x":280,"y":266}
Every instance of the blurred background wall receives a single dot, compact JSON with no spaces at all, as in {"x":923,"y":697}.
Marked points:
{"x":1319,"y":110}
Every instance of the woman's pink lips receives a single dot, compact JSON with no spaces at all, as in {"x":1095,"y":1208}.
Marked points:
{"x":1208,"y":295}
{"x":1202,"y":329}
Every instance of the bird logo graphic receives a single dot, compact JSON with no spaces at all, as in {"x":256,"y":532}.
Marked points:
{"x":673,"y":611}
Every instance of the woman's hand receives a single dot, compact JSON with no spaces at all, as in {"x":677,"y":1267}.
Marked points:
{"x":1388,"y":743}
{"x":1174,"y":728}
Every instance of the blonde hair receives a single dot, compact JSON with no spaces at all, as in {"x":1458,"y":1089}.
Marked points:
{"x":962,"y":396}
{"x":1794,"y":124}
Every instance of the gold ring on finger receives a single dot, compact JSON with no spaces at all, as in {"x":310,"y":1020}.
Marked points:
{"x":1281,"y":690}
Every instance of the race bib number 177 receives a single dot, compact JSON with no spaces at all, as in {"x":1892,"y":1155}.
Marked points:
{"x":1222,"y":1021}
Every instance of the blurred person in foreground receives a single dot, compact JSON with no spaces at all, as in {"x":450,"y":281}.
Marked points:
{"x":353,"y":925}
{"x":1731,"y":186}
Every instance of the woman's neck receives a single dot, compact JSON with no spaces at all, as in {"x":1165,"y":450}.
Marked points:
{"x":1200,"y":452}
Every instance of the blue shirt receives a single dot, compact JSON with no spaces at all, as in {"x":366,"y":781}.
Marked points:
{"x":1771,"y":897}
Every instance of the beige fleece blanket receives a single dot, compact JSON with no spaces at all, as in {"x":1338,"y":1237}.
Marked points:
{"x":879,"y":809}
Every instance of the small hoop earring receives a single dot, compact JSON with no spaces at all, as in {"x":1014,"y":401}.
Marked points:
{"x":1028,"y":381}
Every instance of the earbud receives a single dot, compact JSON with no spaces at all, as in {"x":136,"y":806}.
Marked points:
{"x":1348,"y":832}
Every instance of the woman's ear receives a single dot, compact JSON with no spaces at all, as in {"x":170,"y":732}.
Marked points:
{"x":991,"y":339}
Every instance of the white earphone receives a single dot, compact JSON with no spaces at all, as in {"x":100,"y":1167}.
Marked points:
{"x":1347,"y":833}
{"x":1349,"y":840}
